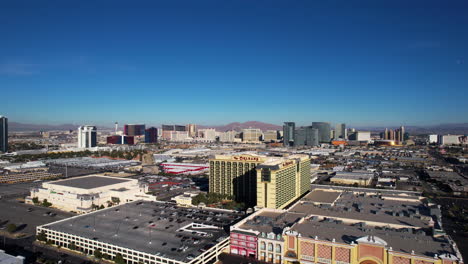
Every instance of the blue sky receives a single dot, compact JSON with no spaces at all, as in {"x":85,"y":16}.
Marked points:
{"x":215,"y":62}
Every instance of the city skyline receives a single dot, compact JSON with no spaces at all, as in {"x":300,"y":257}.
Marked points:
{"x":374,"y":64}
{"x":233,"y":132}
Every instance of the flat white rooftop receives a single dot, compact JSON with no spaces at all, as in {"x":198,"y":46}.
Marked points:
{"x":90,"y":182}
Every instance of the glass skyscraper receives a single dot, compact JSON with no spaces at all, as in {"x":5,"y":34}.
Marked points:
{"x":288,"y":133}
{"x":151,"y":135}
{"x":306,"y":136}
{"x":3,"y":134}
{"x":324,"y":131}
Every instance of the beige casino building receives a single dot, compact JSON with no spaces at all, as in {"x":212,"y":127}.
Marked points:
{"x":280,"y":181}
{"x":82,"y":194}
{"x":265,"y":182}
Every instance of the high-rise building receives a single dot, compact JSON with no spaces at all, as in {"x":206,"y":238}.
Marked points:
{"x":270,"y":136}
{"x":261,"y":181}
{"x":167,"y":128}
{"x":280,"y":181}
{"x":389,"y":134}
{"x":251,"y":135}
{"x":173,"y":128}
{"x":134,"y":130}
{"x":288,"y":133}
{"x":120,"y":139}
{"x":323,"y":131}
{"x":433,"y":139}
{"x":400,"y":134}
{"x":179,"y":136}
{"x":228,"y":136}
{"x":3,"y":134}
{"x":87,"y":136}
{"x":235,"y":175}
{"x":208,"y":134}
{"x":452,"y":139}
{"x":363,"y":136}
{"x":191,"y":129}
{"x":151,"y":135}
{"x":306,"y":136}
{"x":340,"y":132}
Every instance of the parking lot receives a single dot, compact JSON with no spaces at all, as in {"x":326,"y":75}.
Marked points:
{"x":16,"y":190}
{"x":26,"y":217}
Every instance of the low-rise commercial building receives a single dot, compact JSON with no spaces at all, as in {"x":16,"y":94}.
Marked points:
{"x":185,"y":199}
{"x":346,"y":226}
{"x":9,"y":259}
{"x":360,"y":178}
{"x":84,"y":194}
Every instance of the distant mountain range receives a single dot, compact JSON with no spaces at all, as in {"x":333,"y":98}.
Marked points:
{"x":21,"y":127}
{"x":249,"y":124}
{"x":456,"y":128}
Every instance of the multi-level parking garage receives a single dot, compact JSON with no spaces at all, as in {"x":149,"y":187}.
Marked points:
{"x":147,"y":232}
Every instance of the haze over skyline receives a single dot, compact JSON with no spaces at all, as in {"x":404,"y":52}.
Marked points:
{"x":216,"y":62}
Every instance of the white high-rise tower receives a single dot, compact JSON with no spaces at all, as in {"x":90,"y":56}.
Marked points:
{"x":87,"y":136}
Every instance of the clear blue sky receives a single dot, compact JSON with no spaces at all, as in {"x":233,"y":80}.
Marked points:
{"x":214,"y":62}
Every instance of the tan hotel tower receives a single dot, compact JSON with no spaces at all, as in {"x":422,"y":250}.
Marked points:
{"x":268,"y":182}
{"x":280,"y":181}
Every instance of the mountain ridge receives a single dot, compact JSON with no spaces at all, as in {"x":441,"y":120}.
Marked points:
{"x":450,"y":128}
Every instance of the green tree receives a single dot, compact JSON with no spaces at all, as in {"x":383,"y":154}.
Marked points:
{"x":98,"y":253}
{"x":35,"y":200}
{"x":101,"y":207}
{"x":11,"y":228}
{"x":115,"y":200}
{"x":72,"y":246}
{"x":46,"y":203}
{"x":119,"y":259}
{"x":42,"y":236}
{"x":106,"y":256}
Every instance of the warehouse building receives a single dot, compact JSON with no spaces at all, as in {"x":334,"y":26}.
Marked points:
{"x":84,"y":194}
{"x":146,"y":232}
{"x":361,"y":178}
{"x":184,"y":168}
